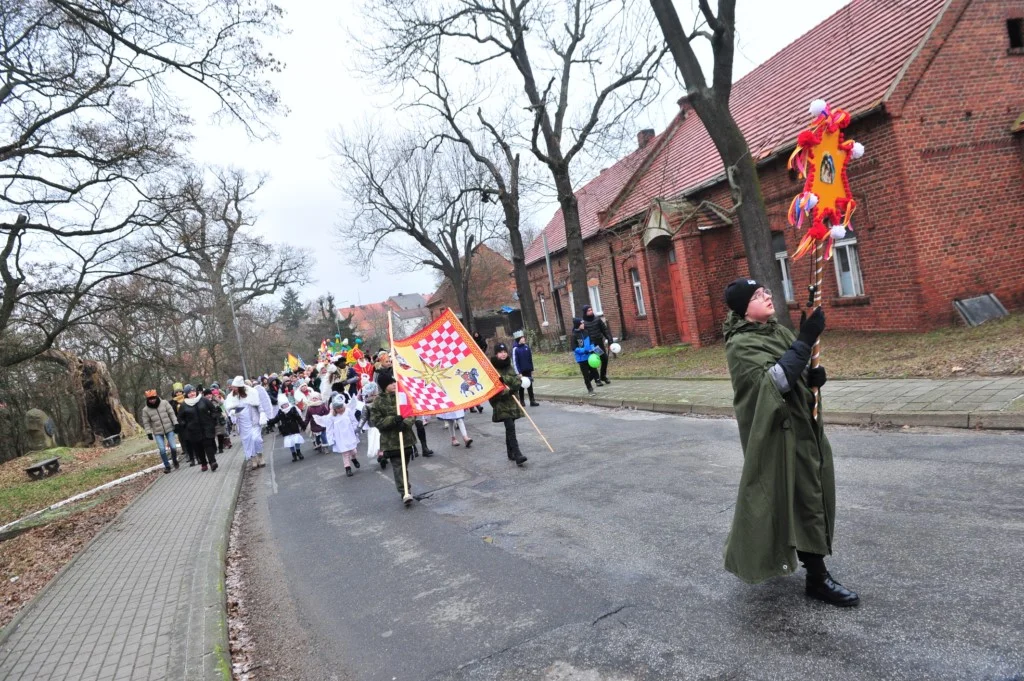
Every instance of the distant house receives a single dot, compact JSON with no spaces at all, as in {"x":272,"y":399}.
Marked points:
{"x":492,"y":295}
{"x":936,"y":92}
{"x":409,"y":314}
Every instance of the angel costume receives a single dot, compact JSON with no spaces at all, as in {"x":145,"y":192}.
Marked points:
{"x":249,"y":413}
{"x":341,"y":430}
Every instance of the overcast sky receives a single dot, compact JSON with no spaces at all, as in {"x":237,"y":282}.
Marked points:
{"x":300,"y":205}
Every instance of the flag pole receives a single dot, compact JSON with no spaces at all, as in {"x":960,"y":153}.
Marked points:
{"x":521,"y":407}
{"x":407,"y":497}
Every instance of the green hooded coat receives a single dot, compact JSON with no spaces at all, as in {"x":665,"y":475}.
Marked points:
{"x":787,"y":497}
{"x":503,"y":405}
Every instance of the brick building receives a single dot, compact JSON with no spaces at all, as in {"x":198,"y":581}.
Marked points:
{"x":936,"y":91}
{"x":491,"y":295}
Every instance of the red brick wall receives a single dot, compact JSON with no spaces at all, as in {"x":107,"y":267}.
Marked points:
{"x":964,"y":167}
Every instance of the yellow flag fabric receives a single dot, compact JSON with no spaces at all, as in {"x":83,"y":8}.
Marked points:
{"x":293,"y":362}
{"x":442,"y":369}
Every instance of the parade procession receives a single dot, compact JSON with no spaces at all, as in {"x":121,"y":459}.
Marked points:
{"x":511,"y":341}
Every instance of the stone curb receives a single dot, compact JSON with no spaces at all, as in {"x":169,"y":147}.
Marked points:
{"x":12,"y":626}
{"x":934,"y":419}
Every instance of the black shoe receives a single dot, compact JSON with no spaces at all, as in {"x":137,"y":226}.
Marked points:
{"x":213,"y":466}
{"x":598,"y":383}
{"x":534,"y":404}
{"x":591,"y":391}
{"x":520,"y":460}
{"x":355,"y":462}
{"x":301,"y":457}
{"x":824,"y":588}
{"x":191,"y":463}
{"x":348,"y":471}
{"x":607,"y":381}
{"x":176,"y":466}
{"x":167,"y":470}
{"x":383,"y":462}
{"x":427,"y":453}
{"x":295,"y":457}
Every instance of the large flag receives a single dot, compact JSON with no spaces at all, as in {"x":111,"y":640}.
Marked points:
{"x":442,"y":369}
{"x":292,"y":362}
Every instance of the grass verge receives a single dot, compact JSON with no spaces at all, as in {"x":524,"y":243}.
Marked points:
{"x":995,"y":348}
{"x":81,"y":470}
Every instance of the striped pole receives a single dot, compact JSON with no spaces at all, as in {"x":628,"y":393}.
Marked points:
{"x":819,"y":263}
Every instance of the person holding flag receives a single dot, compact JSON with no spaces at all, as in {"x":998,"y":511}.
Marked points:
{"x":396,"y":432}
{"x":506,"y":409}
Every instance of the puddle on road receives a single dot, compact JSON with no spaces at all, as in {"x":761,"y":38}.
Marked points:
{"x":621,"y":414}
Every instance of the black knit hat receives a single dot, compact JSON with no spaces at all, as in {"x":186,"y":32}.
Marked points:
{"x":738,"y":294}
{"x":500,"y":347}
{"x":385,"y":378}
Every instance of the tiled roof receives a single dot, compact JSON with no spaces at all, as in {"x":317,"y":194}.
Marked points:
{"x":591,"y":198}
{"x":874,"y":40}
{"x":408,"y":301}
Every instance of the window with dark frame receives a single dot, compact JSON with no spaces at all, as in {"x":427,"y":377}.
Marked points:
{"x":1015,"y":29}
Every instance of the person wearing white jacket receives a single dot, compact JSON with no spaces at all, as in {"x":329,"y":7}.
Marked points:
{"x":249,"y":413}
{"x":341,"y":429}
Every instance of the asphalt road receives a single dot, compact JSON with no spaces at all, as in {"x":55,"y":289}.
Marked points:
{"x":602,"y":561}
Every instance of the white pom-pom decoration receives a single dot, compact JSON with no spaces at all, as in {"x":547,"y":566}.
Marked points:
{"x":858,"y":150}
{"x":615,"y":348}
{"x":838,"y":232}
{"x":526,"y":382}
{"x":818,"y":107}
{"x":812,"y":200}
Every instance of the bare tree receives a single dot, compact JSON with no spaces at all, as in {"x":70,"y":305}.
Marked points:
{"x":489,"y":143}
{"x":711,"y":102}
{"x":418,"y":205}
{"x":223,"y":266}
{"x":585,"y":67}
{"x":88,"y":119}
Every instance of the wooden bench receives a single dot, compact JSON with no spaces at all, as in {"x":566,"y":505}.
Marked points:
{"x":43,"y":469}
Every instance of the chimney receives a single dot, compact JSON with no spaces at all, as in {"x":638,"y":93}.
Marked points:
{"x":644,"y":137}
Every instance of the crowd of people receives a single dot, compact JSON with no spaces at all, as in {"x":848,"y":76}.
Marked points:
{"x":334,"y":403}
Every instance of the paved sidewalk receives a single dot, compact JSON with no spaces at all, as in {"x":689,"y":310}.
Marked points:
{"x":145,"y":599}
{"x":951,"y":403}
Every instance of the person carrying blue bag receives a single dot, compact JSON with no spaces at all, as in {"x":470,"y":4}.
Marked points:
{"x":583,"y":348}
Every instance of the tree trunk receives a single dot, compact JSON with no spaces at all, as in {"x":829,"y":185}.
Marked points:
{"x":99,"y":404}
{"x":519,"y":268}
{"x":573,"y":238}
{"x":460,"y":285}
{"x":755,"y":228}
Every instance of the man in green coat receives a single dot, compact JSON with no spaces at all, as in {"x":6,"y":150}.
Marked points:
{"x":384,"y":415}
{"x":786,"y":504}
{"x":506,"y":409}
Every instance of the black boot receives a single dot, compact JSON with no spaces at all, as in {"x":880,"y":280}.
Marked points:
{"x":295,"y":457}
{"x":824,"y":588}
{"x":348,"y":471}
{"x":355,"y":462}
{"x":520,"y":459}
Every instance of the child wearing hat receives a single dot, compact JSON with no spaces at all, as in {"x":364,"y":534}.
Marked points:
{"x":341,"y":431}
{"x":505,"y":408}
{"x":290,"y":422}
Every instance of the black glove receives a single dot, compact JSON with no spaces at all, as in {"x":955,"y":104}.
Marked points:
{"x":816,"y":377}
{"x":149,"y":436}
{"x":812,"y":327}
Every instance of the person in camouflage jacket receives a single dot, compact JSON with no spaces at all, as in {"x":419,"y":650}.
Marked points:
{"x":384,"y":415}
{"x":506,"y":410}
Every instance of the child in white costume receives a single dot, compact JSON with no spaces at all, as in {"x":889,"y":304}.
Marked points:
{"x":342,"y":432}
{"x":456,"y":419}
{"x":369,"y":393}
{"x":248,"y":410}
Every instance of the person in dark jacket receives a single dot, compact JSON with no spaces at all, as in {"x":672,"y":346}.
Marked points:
{"x":198,"y":419}
{"x":388,"y":370}
{"x":522,"y":362}
{"x":600,"y":336}
{"x":178,"y":399}
{"x":506,"y":410}
{"x":384,"y":414}
{"x":582,"y":349}
{"x":290,"y":424}
{"x":785,"y":508}
{"x":482,"y":344}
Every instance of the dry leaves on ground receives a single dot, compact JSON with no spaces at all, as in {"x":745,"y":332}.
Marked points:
{"x":243,"y":648}
{"x":31,"y":559}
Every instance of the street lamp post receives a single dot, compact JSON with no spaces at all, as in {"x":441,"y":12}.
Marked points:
{"x":238,"y":335}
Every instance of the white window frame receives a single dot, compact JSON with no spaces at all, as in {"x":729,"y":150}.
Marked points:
{"x":543,"y":310}
{"x":853,"y":256}
{"x":572,"y":303}
{"x":787,"y":280}
{"x":594,"y":292}
{"x":638,"y":292}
